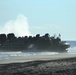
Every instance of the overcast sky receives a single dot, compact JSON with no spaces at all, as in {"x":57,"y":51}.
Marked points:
{"x":30,"y":17}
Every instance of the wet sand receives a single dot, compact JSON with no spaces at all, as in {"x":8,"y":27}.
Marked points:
{"x":49,"y":65}
{"x":19,"y":59}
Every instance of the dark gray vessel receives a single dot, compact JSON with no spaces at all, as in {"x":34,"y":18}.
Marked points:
{"x":42,"y":43}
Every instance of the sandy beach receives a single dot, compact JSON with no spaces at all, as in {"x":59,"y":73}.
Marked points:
{"x":19,"y":59}
{"x":60,"y":64}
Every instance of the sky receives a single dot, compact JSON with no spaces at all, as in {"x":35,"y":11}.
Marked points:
{"x":31,"y":17}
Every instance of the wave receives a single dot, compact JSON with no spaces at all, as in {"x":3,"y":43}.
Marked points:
{"x":27,"y":53}
{"x":72,"y":50}
{"x":6,"y":55}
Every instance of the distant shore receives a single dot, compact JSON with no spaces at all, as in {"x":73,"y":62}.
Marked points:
{"x":50,"y":65}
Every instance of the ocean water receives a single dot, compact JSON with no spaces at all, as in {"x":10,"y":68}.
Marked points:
{"x":9,"y":55}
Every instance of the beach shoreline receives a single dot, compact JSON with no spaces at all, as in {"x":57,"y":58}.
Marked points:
{"x":54,"y":66}
{"x":20,"y":59}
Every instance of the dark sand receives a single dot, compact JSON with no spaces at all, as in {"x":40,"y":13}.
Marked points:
{"x":64,"y":66}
